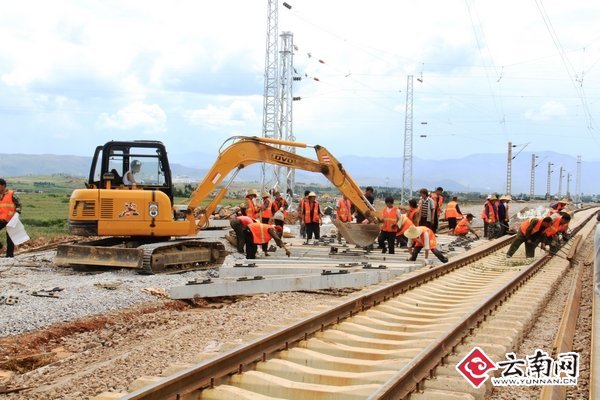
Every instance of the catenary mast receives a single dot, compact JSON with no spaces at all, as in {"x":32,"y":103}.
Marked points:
{"x":407,"y":161}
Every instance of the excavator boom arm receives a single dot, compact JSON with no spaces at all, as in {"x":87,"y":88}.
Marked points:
{"x":250,"y":150}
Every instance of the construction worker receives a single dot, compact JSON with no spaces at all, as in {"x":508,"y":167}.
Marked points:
{"x":301,"y":204}
{"x":9,"y":206}
{"x":426,"y":208}
{"x":279,"y":203}
{"x":556,"y":234}
{"x":422,"y":237}
{"x":279,"y":217}
{"x":260,"y":234}
{"x":251,"y":208}
{"x":557,"y":207}
{"x":503,"y":215}
{"x":453,"y":213}
{"x":413,"y":211}
{"x":371,"y":199}
{"x":464,"y":226}
{"x":238,"y":223}
{"x":343,"y":212}
{"x":489,"y":215}
{"x":312,"y":217}
{"x":390,"y":215}
{"x":129,"y":177}
{"x":266,"y":212}
{"x":529,"y":233}
{"x":438,"y":200}
{"x":403,"y":224}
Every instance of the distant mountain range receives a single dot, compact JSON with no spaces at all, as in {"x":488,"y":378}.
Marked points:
{"x":475,"y":173}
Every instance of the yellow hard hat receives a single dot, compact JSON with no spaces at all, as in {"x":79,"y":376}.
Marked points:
{"x":252,"y":191}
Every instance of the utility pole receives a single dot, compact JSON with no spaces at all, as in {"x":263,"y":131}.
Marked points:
{"x":532,"y":184}
{"x":509,"y":164}
{"x":548,"y":181}
{"x":568,"y":185}
{"x":407,"y":161}
{"x":560,"y":176}
{"x":270,"y":173}
{"x":578,"y":181}
{"x":509,"y":169}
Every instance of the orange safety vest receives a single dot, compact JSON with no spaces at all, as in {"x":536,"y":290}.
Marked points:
{"x":420,"y":240}
{"x":308,"y":218}
{"x":411,"y":214}
{"x":266,"y":211}
{"x":251,"y":208}
{"x":462,"y":228}
{"x":245,"y":220}
{"x":489,"y":213}
{"x":406,"y":223}
{"x":301,"y":204}
{"x":278,"y":204}
{"x":390,"y":219}
{"x":345,"y":210}
{"x":553,"y":229}
{"x":525,"y":225}
{"x":451,"y":210}
{"x":260,"y":232}
{"x":7,"y":206}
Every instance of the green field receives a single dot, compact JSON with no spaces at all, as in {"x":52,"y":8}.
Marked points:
{"x":45,"y":203}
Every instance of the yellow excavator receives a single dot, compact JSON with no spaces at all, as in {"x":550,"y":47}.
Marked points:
{"x":144,"y":230}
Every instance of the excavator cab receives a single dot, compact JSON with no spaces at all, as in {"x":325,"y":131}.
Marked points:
{"x":113,"y":160}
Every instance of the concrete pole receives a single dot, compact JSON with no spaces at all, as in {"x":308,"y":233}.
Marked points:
{"x":548,"y":181}
{"x":532,"y":184}
{"x":509,"y":169}
{"x":597,"y":257}
{"x":560,"y":176}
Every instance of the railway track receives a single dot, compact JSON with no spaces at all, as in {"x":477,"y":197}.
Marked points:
{"x":392,"y":342}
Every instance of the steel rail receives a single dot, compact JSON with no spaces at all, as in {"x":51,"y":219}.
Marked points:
{"x":421,"y":367}
{"x":237,"y":360}
{"x":209,"y":373}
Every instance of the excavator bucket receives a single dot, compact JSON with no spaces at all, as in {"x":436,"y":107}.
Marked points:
{"x":362,"y":235}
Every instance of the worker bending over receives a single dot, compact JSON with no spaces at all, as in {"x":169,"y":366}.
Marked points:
{"x":464,"y":226}
{"x":239,"y":222}
{"x":403,"y":224}
{"x":260,"y":234}
{"x":558,"y":207}
{"x":422,"y":237}
{"x":556,"y":234}
{"x":529,"y":233}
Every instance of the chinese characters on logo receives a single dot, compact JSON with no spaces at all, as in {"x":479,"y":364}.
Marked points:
{"x":538,"y":369}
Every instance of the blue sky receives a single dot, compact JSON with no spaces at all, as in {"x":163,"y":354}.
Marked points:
{"x":74,"y":74}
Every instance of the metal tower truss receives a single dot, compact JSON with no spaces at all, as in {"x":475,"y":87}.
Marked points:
{"x":578,"y":181}
{"x":407,"y":161}
{"x":287,"y":183}
{"x":269,"y":178}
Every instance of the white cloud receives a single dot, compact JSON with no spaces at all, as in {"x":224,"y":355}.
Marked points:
{"x":547,"y":111}
{"x":149,"y":117}
{"x":236,"y":114}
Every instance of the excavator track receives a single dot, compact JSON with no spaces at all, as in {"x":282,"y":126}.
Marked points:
{"x":161,"y":257}
{"x":181,"y":255}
